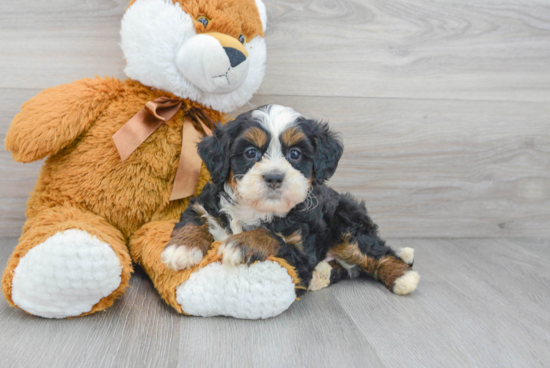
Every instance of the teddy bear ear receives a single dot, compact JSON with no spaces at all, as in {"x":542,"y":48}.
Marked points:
{"x":263,"y":13}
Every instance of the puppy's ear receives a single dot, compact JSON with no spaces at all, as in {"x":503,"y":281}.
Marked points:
{"x":328,"y":150}
{"x":214,"y":152}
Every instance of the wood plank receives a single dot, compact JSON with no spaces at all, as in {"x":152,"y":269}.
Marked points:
{"x":481,"y":302}
{"x":45,"y":44}
{"x":314,"y":332}
{"x":482,"y":50}
{"x":488,"y":50}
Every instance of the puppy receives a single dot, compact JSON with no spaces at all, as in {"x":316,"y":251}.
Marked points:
{"x":268,"y":197}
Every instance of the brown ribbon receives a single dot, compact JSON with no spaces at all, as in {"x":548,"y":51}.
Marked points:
{"x":150,"y":118}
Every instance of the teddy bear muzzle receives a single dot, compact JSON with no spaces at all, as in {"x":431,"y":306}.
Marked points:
{"x":214,"y":62}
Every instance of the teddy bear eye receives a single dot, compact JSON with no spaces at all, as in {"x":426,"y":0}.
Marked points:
{"x":203,"y":20}
{"x":242,"y":39}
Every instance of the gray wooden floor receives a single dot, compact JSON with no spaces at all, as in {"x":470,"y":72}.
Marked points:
{"x":481,"y":303}
{"x":444,"y":107}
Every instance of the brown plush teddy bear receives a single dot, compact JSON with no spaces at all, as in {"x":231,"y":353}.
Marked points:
{"x":122,"y":163}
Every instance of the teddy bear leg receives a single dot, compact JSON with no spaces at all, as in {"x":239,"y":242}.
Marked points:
{"x":261,"y":290}
{"x":68,"y":263}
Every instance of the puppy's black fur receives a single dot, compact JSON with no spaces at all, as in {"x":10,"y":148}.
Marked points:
{"x":326,"y":222}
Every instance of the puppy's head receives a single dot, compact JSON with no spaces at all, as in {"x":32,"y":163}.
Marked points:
{"x":270,"y":157}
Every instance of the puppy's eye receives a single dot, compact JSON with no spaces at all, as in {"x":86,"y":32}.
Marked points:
{"x":294,"y":154}
{"x":251,"y":153}
{"x":203,"y":20}
{"x":242,"y":39}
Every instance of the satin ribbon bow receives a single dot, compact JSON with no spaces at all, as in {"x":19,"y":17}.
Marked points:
{"x":150,"y":118}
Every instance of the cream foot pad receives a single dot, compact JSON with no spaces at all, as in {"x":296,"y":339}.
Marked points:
{"x":66,"y":275}
{"x":261,"y":290}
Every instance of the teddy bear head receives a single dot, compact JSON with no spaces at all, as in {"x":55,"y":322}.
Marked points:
{"x":209,"y":51}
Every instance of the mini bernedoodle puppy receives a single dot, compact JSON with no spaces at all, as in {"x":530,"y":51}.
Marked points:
{"x":268,"y":197}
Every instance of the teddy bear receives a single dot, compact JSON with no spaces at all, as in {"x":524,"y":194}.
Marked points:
{"x":122,"y":164}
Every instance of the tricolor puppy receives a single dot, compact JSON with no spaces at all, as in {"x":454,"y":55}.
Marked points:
{"x":268,"y":197}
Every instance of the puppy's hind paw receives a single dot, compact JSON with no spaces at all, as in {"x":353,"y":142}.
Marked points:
{"x":407,"y":283}
{"x":179,"y":257}
{"x":407,"y":255}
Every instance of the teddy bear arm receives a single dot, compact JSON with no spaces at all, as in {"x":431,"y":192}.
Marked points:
{"x":54,"y":118}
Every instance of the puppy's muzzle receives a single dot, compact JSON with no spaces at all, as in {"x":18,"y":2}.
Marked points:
{"x":274,"y":180}
{"x":214,"y":62}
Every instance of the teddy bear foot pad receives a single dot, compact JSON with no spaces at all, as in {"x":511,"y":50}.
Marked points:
{"x":66,"y":275}
{"x":261,"y":290}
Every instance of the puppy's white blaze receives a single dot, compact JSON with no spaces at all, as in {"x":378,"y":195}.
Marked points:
{"x":231,"y":255}
{"x":275,"y":119}
{"x":407,"y":283}
{"x":179,"y":257}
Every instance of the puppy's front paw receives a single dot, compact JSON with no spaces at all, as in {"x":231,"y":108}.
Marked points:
{"x":321,"y":276}
{"x":407,"y":283}
{"x":179,"y":257}
{"x":235,"y":251}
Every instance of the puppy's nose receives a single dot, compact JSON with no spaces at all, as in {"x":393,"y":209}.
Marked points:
{"x":235,"y":56}
{"x":274,"y":180}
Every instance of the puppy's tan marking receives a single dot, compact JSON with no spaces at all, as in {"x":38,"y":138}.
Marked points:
{"x":232,"y":181}
{"x":200,"y":210}
{"x":292,"y":136}
{"x":294,"y":239}
{"x":193,"y":236}
{"x":249,"y":247}
{"x":387,"y":269}
{"x":256,"y":136}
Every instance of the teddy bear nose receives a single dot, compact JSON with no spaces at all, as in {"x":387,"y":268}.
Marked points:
{"x":274,"y":180}
{"x":235,"y":56}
